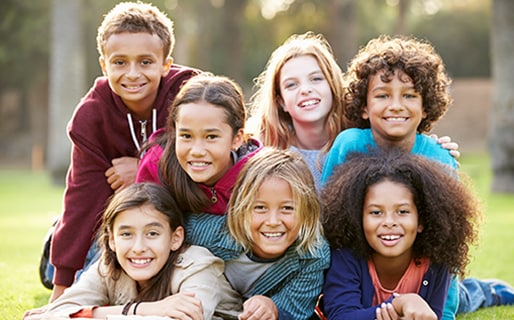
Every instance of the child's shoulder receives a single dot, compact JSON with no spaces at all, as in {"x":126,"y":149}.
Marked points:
{"x":353,"y":140}
{"x":428,"y":147}
{"x":353,"y":134}
{"x":196,"y":255}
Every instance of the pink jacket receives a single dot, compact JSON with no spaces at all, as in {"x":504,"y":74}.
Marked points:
{"x":149,"y":171}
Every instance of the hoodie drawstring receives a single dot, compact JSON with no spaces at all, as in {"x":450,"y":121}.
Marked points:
{"x":143,"y":128}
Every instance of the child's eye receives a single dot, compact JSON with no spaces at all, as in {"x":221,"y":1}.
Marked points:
{"x":381,"y":96}
{"x":153,"y":234}
{"x":290,"y":85}
{"x":403,"y":211}
{"x":410,"y":95}
{"x":185,"y":136}
{"x":118,"y":62}
{"x":125,"y":234}
{"x":212,"y":137}
{"x":146,"y":62}
{"x":288,"y":209}
{"x":259,"y":208}
{"x":375,"y":212}
{"x":318,"y":78}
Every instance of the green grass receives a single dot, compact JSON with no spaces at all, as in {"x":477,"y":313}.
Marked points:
{"x":28,"y":203}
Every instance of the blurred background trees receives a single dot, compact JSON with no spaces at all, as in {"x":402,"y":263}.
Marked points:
{"x":48,"y":51}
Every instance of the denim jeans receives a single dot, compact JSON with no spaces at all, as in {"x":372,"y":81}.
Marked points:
{"x":474,"y":294}
{"x":92,"y":255}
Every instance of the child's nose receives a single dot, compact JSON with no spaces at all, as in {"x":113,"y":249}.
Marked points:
{"x":389,"y":220}
{"x":273,"y":217}
{"x":133,"y":71}
{"x":197,"y":148}
{"x":139,"y":245}
{"x":396,"y":103}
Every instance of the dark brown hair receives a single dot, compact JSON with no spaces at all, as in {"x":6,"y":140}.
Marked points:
{"x":416,"y":58}
{"x":135,"y":196}
{"x":216,"y":90}
{"x":447,"y":208}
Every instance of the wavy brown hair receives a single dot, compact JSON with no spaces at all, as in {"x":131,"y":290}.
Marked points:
{"x":447,"y":208}
{"x":135,"y":196}
{"x":415,"y":58}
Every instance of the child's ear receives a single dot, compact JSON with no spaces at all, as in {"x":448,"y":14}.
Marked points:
{"x":101,"y":61}
{"x":112,"y":243}
{"x":238,"y":140}
{"x":167,"y":66}
{"x":364,"y":113}
{"x":177,"y":238}
{"x":420,"y":228}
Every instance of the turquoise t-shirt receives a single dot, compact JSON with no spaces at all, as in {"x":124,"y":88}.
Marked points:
{"x":360,"y":140}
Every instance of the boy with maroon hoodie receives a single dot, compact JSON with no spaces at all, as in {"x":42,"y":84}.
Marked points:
{"x":111,"y":123}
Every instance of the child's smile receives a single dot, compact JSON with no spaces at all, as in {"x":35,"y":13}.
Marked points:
{"x":390,"y":220}
{"x":274,"y":225}
{"x":394,"y":109}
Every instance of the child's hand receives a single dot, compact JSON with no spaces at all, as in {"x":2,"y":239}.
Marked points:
{"x":122,"y":173}
{"x":386,"y":312}
{"x":411,"y":306}
{"x":180,"y":306}
{"x":447,"y":143}
{"x":259,"y":307}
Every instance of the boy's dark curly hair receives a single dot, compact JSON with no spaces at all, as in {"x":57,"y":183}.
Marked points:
{"x":415,"y":58}
{"x":447,"y":207}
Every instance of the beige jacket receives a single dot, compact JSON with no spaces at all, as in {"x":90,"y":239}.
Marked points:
{"x":196,"y":270}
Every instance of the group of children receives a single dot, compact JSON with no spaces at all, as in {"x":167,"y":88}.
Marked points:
{"x":352,"y":223}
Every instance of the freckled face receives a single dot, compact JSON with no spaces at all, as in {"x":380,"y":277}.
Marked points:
{"x":274,"y":226}
{"x":390,"y":220}
{"x":394,"y":109}
{"x":204,"y":141}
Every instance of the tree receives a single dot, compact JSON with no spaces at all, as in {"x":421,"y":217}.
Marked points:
{"x":67,"y":81}
{"x":502,"y":117}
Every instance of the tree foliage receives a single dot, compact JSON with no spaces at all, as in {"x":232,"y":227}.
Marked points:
{"x":236,"y":37}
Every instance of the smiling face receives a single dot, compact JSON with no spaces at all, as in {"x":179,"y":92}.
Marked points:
{"x":134,"y":63}
{"x":204,"y":141}
{"x":142,"y":240}
{"x":394,"y":110}
{"x":274,"y":223}
{"x":305,"y":92}
{"x":390,"y":220}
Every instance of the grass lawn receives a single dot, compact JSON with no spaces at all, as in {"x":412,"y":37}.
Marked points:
{"x":29,"y":202}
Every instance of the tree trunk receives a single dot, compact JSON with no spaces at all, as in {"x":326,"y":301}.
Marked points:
{"x":342,"y":30}
{"x":502,"y":118}
{"x":67,"y":81}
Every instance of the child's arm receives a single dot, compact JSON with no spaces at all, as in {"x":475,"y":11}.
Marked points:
{"x":412,"y":306}
{"x":177,"y":306}
{"x":299,"y":293}
{"x":148,"y":168}
{"x":201,"y":273}
{"x":122,"y":173}
{"x":259,"y":307}
{"x":348,"y":291}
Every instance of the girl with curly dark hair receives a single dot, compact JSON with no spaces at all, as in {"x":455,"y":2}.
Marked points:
{"x":399,"y":227}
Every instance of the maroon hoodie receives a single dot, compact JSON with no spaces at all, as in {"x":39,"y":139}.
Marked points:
{"x":100,"y":131}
